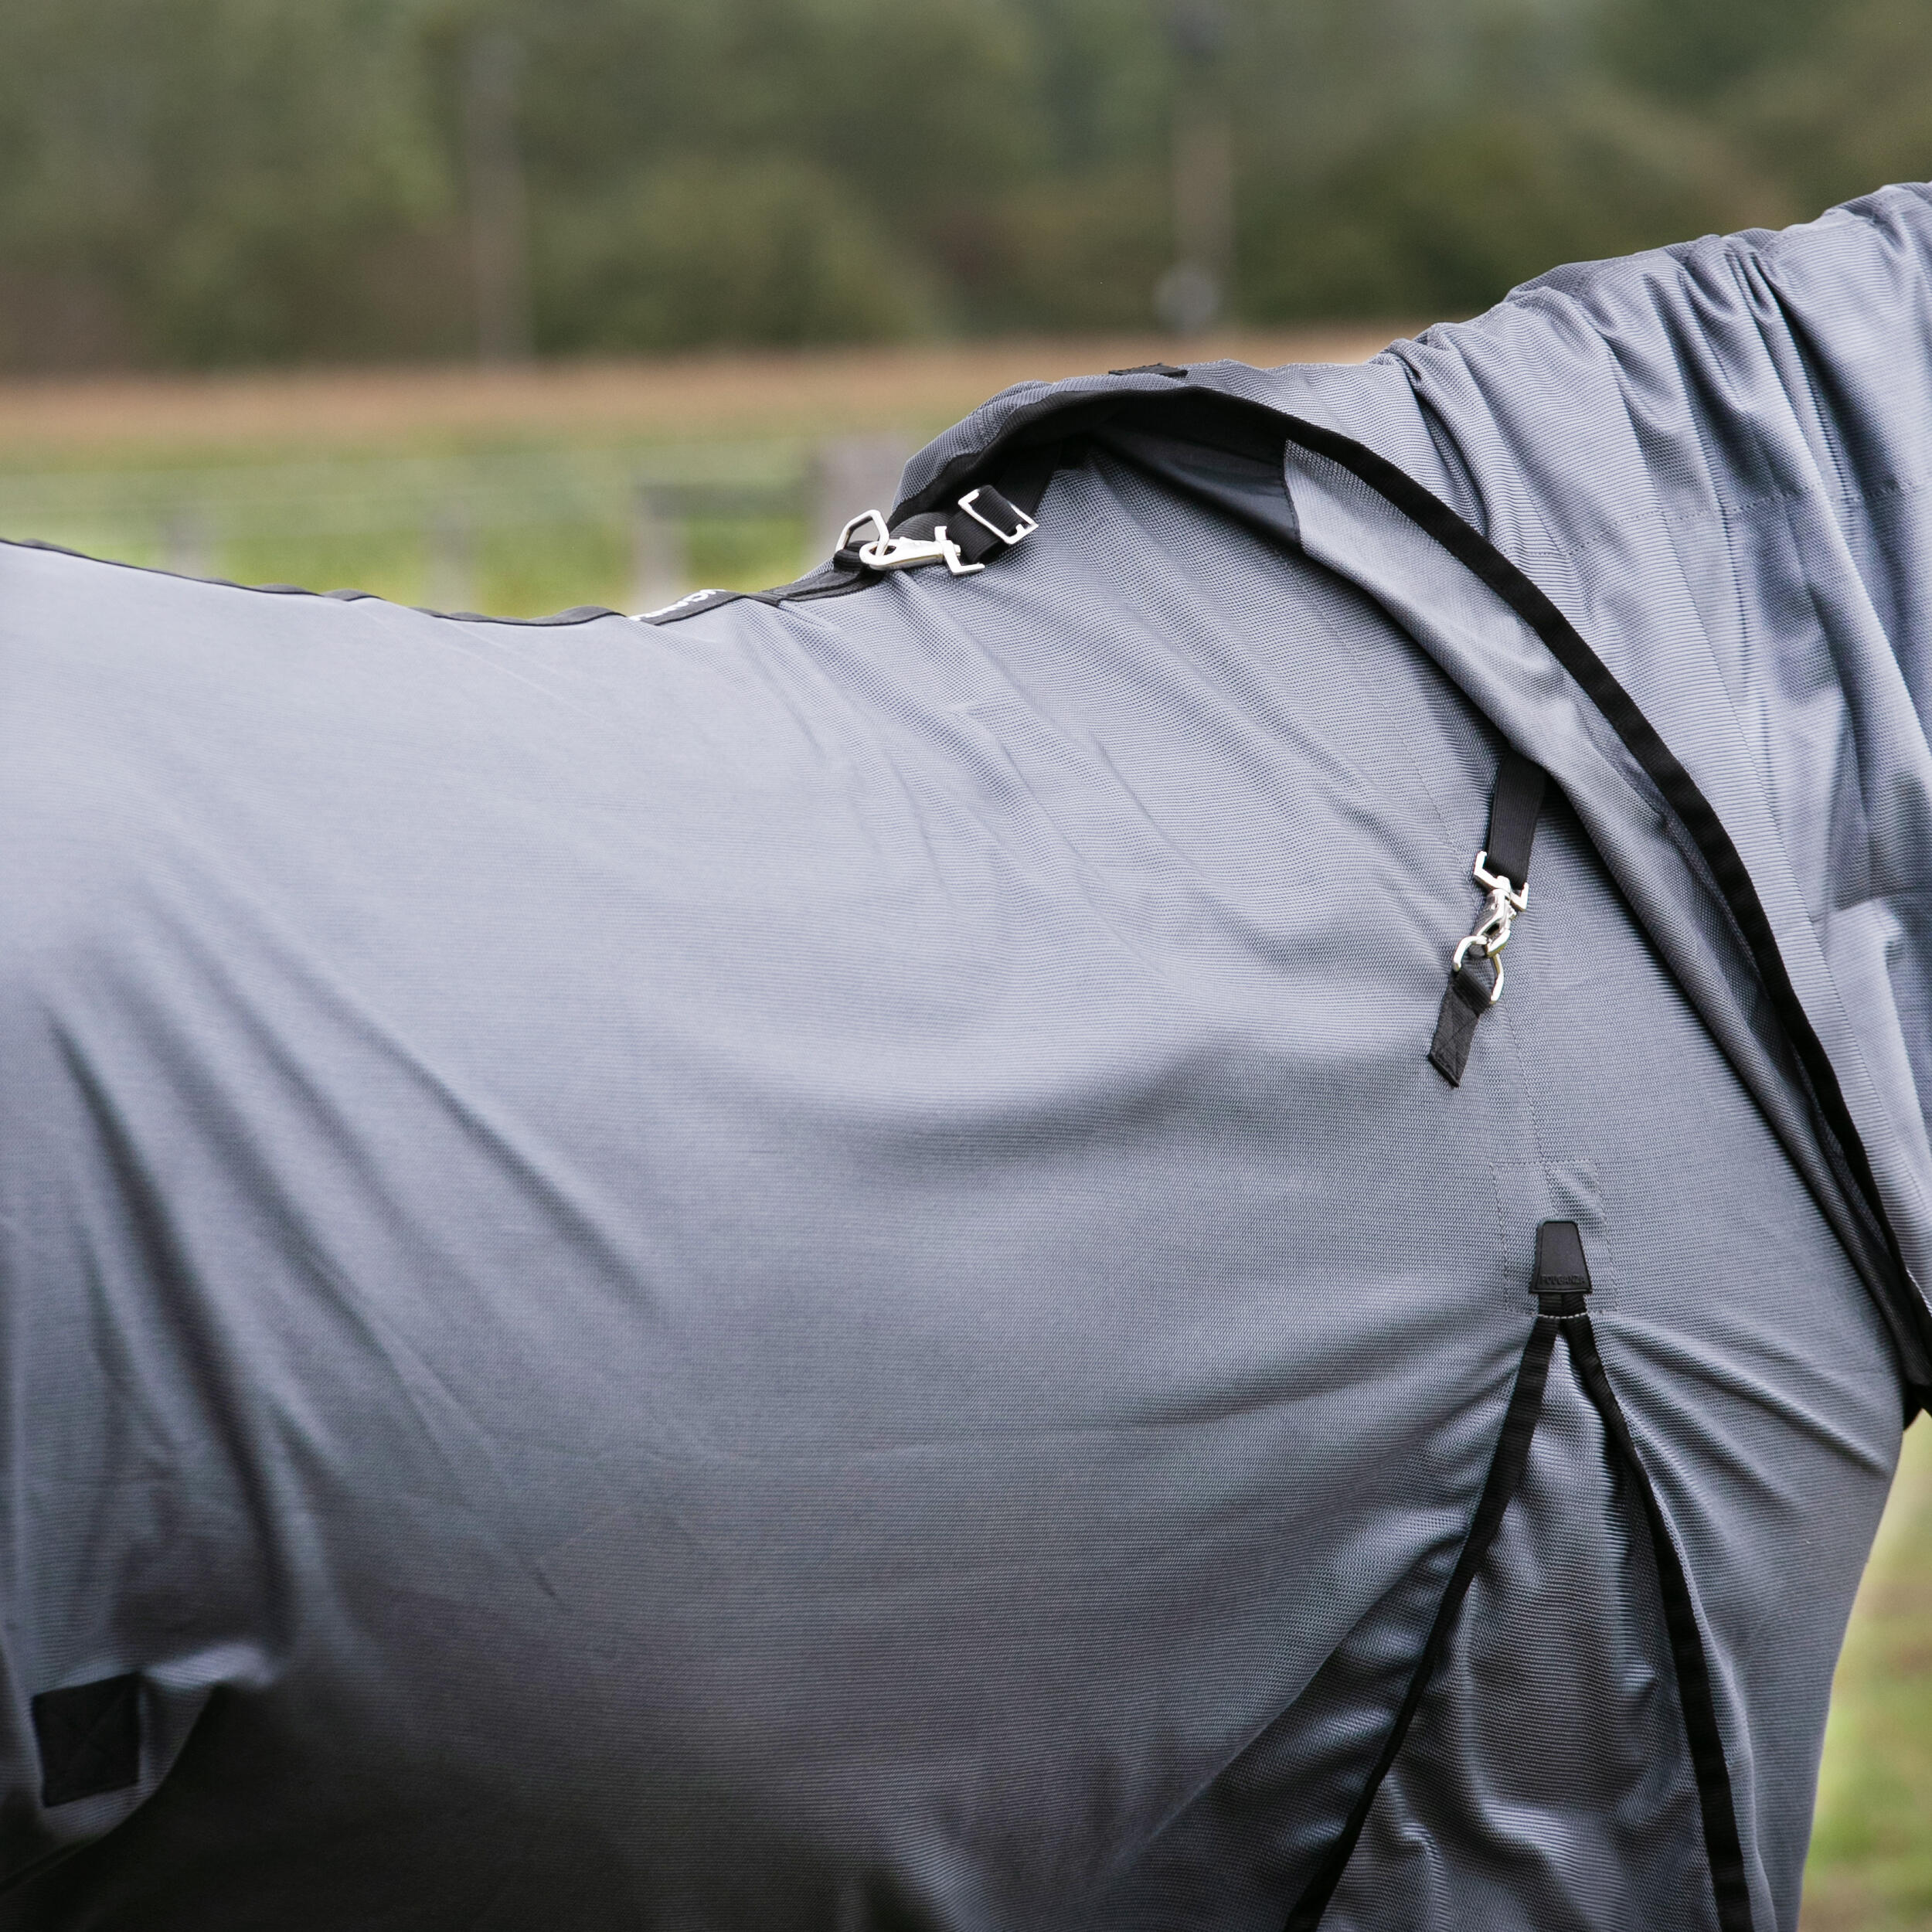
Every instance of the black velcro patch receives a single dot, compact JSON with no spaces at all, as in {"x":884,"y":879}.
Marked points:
{"x":89,"y":1739}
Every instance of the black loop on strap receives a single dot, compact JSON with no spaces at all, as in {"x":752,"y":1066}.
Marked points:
{"x":1465,"y":1002}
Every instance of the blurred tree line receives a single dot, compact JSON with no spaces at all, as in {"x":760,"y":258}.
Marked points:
{"x":201,"y":182}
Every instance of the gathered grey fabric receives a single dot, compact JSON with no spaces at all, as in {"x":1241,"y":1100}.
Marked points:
{"x":801,"y":1267}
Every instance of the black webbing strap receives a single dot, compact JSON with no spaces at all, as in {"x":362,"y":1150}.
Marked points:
{"x":1475,"y":976}
{"x":1515,"y":807}
{"x":1562,"y":1281}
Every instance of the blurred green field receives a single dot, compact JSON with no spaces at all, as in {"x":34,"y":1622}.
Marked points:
{"x":518,"y":489}
{"x":1871,"y":1862}
{"x":513,"y":532}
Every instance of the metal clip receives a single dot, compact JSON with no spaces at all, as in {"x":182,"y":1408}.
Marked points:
{"x":1499,"y":914}
{"x":859,"y":522}
{"x":890,"y":552}
{"x":1026,"y":527}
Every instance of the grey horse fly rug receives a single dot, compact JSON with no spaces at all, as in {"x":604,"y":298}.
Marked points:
{"x":904,"y":1253}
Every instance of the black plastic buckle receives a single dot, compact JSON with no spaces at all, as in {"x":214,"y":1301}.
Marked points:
{"x":1563,"y":1274}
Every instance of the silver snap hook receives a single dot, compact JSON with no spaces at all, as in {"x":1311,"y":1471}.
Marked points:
{"x":1506,"y":900}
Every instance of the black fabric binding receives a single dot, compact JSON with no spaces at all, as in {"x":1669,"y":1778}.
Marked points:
{"x":577,"y":613}
{"x":1722,"y":1844}
{"x":1506,"y":1468}
{"x":1514,"y":805}
{"x":1562,"y":1283}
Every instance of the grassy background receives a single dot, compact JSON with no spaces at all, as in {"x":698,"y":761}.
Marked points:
{"x":523,"y":483}
{"x":1871,"y":1863}
{"x":512,"y":491}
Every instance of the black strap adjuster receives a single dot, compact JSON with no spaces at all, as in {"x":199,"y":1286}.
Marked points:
{"x":995,"y":515}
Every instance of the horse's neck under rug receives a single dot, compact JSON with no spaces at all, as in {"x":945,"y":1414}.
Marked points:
{"x":959,"y":1246}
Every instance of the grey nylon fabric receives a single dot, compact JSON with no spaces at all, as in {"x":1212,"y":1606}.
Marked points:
{"x":802,"y":1267}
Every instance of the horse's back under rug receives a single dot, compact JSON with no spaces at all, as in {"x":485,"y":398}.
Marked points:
{"x":906,"y":1254}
